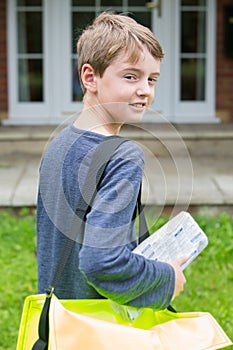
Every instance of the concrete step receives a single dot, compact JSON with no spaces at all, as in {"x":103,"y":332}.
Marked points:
{"x":160,"y":139}
{"x":196,"y":139}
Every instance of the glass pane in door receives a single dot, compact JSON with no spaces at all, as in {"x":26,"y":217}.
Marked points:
{"x":136,"y":2}
{"x":193,"y":32}
{"x":79,"y":21}
{"x":29,"y":32}
{"x":30,"y":76}
{"x":193,"y":51}
{"x":30,"y":51}
{"x":113,"y":3}
{"x":143,"y":18}
{"x":193,"y":79}
{"x":83,"y":2}
{"x":193,"y":2}
{"x":29,"y":3}
{"x":77,"y":93}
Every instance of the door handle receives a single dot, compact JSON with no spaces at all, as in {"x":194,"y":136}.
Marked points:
{"x":153,"y":5}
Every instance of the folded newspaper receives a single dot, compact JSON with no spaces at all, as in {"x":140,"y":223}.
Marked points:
{"x":181,"y":236}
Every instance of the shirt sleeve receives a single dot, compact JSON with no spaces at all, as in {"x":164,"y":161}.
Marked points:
{"x":106,"y":257}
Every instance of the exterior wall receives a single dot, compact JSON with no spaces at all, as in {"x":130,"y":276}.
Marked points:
{"x":3,"y":61}
{"x":224,"y":76}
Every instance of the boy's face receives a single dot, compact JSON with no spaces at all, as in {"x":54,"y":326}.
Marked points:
{"x":126,"y":89}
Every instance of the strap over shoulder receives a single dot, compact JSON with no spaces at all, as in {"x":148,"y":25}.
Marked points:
{"x":99,"y":161}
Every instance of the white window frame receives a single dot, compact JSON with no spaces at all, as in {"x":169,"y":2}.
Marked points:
{"x":68,"y":106}
{"x":196,"y":111}
{"x":163,"y":27}
{"x":21,"y":112}
{"x":49,"y":110}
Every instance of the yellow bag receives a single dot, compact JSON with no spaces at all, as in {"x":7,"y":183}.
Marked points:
{"x":104,"y":325}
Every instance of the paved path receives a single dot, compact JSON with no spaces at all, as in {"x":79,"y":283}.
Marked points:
{"x":199,"y":181}
{"x":210,"y":184}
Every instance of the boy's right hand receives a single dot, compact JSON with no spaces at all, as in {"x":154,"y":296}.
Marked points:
{"x":180,"y":279}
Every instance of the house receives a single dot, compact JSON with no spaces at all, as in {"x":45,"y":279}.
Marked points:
{"x":38,"y":79}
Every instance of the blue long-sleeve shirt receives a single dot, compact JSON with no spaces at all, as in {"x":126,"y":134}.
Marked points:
{"x":102,"y":263}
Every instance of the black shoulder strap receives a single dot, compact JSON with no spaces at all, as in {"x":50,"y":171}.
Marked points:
{"x":143,"y":228}
{"x":100,"y":159}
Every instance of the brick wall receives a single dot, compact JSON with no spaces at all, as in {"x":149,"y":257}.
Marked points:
{"x":3,"y":61}
{"x":224,"y":78}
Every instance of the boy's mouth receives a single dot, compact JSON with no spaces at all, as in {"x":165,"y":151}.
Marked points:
{"x":138,"y":105}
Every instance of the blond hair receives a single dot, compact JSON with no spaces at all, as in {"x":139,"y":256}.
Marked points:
{"x":100,"y":43}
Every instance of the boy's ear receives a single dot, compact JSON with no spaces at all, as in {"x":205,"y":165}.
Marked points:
{"x":88,"y":77}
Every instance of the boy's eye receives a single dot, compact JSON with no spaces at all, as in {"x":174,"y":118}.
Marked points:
{"x":153,"y":80}
{"x":130,"y":77}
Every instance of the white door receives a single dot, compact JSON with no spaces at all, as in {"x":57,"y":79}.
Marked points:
{"x":186,"y":30}
{"x":43,"y":84}
{"x":186,"y":88}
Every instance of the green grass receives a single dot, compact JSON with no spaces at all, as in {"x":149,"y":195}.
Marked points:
{"x":18,"y":271}
{"x":209,"y":278}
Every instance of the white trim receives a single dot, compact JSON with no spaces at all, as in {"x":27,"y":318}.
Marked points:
{"x":196,"y":111}
{"x":211,"y":54}
{"x":68,"y":106}
{"x":11,"y":54}
{"x":66,"y":74}
{"x":162,"y":27}
{"x":54,"y":48}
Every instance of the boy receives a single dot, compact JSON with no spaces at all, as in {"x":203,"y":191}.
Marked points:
{"x":119,"y":64}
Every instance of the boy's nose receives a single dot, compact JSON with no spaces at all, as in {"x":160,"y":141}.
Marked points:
{"x":144,"y":89}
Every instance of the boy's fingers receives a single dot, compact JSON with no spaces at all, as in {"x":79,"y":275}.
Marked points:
{"x":182,"y":260}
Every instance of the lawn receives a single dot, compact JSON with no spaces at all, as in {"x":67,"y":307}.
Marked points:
{"x":209,"y":278}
